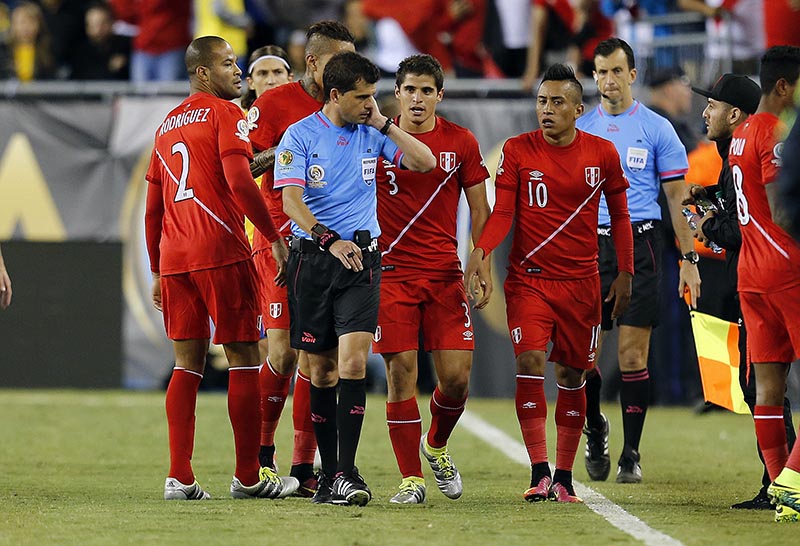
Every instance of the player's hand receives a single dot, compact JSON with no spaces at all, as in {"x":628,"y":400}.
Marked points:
{"x":620,"y":292}
{"x":348,"y":253}
{"x":689,"y":281}
{"x":484,"y":284}
{"x":694,"y":191}
{"x":157,"y":291}
{"x":473,"y":279}
{"x":5,"y":288}
{"x":280,"y":254}
{"x":698,"y":233}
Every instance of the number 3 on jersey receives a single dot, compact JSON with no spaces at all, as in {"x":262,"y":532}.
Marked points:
{"x":183,"y":192}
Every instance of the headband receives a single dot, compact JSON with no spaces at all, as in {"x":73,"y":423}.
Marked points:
{"x":281,"y":59}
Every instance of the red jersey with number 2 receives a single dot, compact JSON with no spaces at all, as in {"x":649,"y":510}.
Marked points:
{"x":202,"y":226}
{"x":417,"y":212}
{"x":770,"y":259}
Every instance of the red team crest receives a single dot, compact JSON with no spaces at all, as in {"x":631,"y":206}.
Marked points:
{"x":447,"y":161}
{"x":275,"y":309}
{"x":592,"y":176}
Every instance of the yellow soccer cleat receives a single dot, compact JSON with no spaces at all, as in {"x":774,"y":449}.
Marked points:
{"x":784,"y":514}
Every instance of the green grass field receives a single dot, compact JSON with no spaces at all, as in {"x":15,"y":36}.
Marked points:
{"x":88,"y":467}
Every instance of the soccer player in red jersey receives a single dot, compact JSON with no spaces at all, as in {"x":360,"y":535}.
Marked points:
{"x":200,"y":184}
{"x":551,"y":180}
{"x":422,"y":281}
{"x":769,"y":270}
{"x":270,"y":115}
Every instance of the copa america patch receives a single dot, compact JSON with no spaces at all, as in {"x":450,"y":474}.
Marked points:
{"x":252,"y":117}
{"x":285,"y":158}
{"x":243,"y":130}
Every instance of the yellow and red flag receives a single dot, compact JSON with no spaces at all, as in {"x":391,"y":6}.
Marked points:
{"x":717,"y":343}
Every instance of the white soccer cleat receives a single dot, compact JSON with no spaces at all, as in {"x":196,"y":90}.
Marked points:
{"x":444,"y":469}
{"x":270,"y":486}
{"x":175,"y":490}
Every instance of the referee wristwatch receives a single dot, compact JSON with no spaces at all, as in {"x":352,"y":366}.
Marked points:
{"x":692,"y":257}
{"x":387,"y":125}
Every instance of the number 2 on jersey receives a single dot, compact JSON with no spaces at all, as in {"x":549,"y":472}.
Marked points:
{"x":183,"y":192}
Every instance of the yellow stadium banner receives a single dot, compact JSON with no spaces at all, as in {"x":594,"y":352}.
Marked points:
{"x":717,"y":343}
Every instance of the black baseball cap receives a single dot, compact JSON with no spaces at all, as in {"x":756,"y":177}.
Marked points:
{"x":738,"y":91}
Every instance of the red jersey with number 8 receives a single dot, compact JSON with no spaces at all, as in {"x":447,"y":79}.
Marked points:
{"x":202,"y":226}
{"x":417,"y":211}
{"x":770,"y":259}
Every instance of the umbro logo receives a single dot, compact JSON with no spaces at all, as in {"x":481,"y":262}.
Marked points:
{"x":573,"y":413}
{"x":275,"y":399}
{"x":537,"y":175}
{"x":529,"y":405}
{"x":467,"y":335}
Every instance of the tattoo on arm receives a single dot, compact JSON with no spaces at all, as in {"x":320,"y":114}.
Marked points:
{"x":262,"y":162}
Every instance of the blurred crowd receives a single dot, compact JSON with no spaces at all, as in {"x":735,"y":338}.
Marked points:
{"x":144,"y":40}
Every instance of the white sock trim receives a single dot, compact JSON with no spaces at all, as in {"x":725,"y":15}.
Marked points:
{"x":521,"y":376}
{"x":244,"y":368}
{"x":582,"y":385}
{"x":188,"y":371}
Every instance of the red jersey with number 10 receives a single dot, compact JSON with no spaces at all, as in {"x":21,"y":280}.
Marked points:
{"x":557,"y":192}
{"x":202,"y":225}
{"x":770,"y":259}
{"x":417,"y":211}
{"x":269,"y":117}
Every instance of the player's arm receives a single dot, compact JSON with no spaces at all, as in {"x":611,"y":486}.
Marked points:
{"x":779,"y":213}
{"x":538,"y":23}
{"x":689,"y":275}
{"x":153,"y":221}
{"x":417,"y":156}
{"x":622,"y":234}
{"x":251,"y":202}
{"x":5,"y":284}
{"x":295,"y":208}
{"x":262,"y":162}
{"x":479,"y":214}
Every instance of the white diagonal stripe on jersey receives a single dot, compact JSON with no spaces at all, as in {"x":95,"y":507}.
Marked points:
{"x":195,"y":199}
{"x":420,"y":212}
{"x":562,"y":226}
{"x":769,"y":239}
{"x":285,"y":225}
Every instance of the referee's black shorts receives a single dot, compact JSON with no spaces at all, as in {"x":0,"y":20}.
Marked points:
{"x":326,"y":300}
{"x":645,"y":303}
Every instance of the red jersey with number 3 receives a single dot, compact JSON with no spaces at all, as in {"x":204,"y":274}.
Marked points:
{"x":202,"y":226}
{"x":269,"y":117}
{"x":770,"y":259}
{"x":557,"y":197}
{"x":417,"y":211}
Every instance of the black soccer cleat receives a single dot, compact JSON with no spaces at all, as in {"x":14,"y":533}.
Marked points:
{"x":324,"y":492}
{"x":598,"y":462}
{"x":350,"y":488}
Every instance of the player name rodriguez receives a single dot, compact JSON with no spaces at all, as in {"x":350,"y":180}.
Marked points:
{"x":198,"y":115}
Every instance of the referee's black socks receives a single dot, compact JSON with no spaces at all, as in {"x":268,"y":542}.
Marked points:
{"x":323,"y":415}
{"x":350,"y":417}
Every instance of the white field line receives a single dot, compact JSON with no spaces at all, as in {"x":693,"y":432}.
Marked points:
{"x":612,"y":513}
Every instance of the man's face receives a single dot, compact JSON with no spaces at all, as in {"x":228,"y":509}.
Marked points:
{"x":224,"y":75}
{"x":98,"y":25}
{"x":613,"y":77}
{"x":557,"y":108}
{"x":680,"y":93}
{"x":418,"y":97}
{"x":322,"y":60}
{"x":267,"y":74}
{"x":355,"y":105}
{"x":717,"y":118}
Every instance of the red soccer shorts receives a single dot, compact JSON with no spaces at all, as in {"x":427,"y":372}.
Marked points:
{"x":441,"y":308}
{"x":773,"y":325}
{"x":227,"y":294}
{"x":274,"y":298}
{"x":566,"y":312}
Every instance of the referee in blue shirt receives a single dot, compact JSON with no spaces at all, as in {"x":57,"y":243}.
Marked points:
{"x":653,"y":158}
{"x":326,"y":165}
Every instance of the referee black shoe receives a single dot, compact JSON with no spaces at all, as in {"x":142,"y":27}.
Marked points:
{"x":759,"y":502}
{"x":324,"y":492}
{"x":350,"y":488}
{"x":598,"y":462}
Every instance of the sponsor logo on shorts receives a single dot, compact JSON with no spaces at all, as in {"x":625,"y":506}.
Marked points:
{"x":467,"y":335}
{"x":316,"y":418}
{"x":447,"y":161}
{"x":275,"y":399}
{"x":275,"y":309}
{"x":516,"y":335}
{"x":573,"y":413}
{"x":357,"y":410}
{"x":592,"y":356}
{"x":377,"y":335}
{"x":243,"y":130}
{"x":308,"y":338}
{"x":633,"y":409}
{"x":592,"y":175}
{"x":285,"y":158}
{"x":529,"y":405}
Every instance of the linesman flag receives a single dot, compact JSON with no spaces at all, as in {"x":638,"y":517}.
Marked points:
{"x":718,"y":357}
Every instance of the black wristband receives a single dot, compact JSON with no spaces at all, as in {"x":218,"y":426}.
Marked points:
{"x":385,"y":128}
{"x":323,"y":236}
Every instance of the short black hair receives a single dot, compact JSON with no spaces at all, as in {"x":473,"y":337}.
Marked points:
{"x":562,"y":73}
{"x":609,"y":46}
{"x":778,"y":62}
{"x":322,"y":32}
{"x":344,"y":71}
{"x":201,"y":52}
{"x":421,"y":65}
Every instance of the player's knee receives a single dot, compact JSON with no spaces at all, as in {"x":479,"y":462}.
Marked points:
{"x":531,"y":363}
{"x":283,"y":360}
{"x":632,"y":359}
